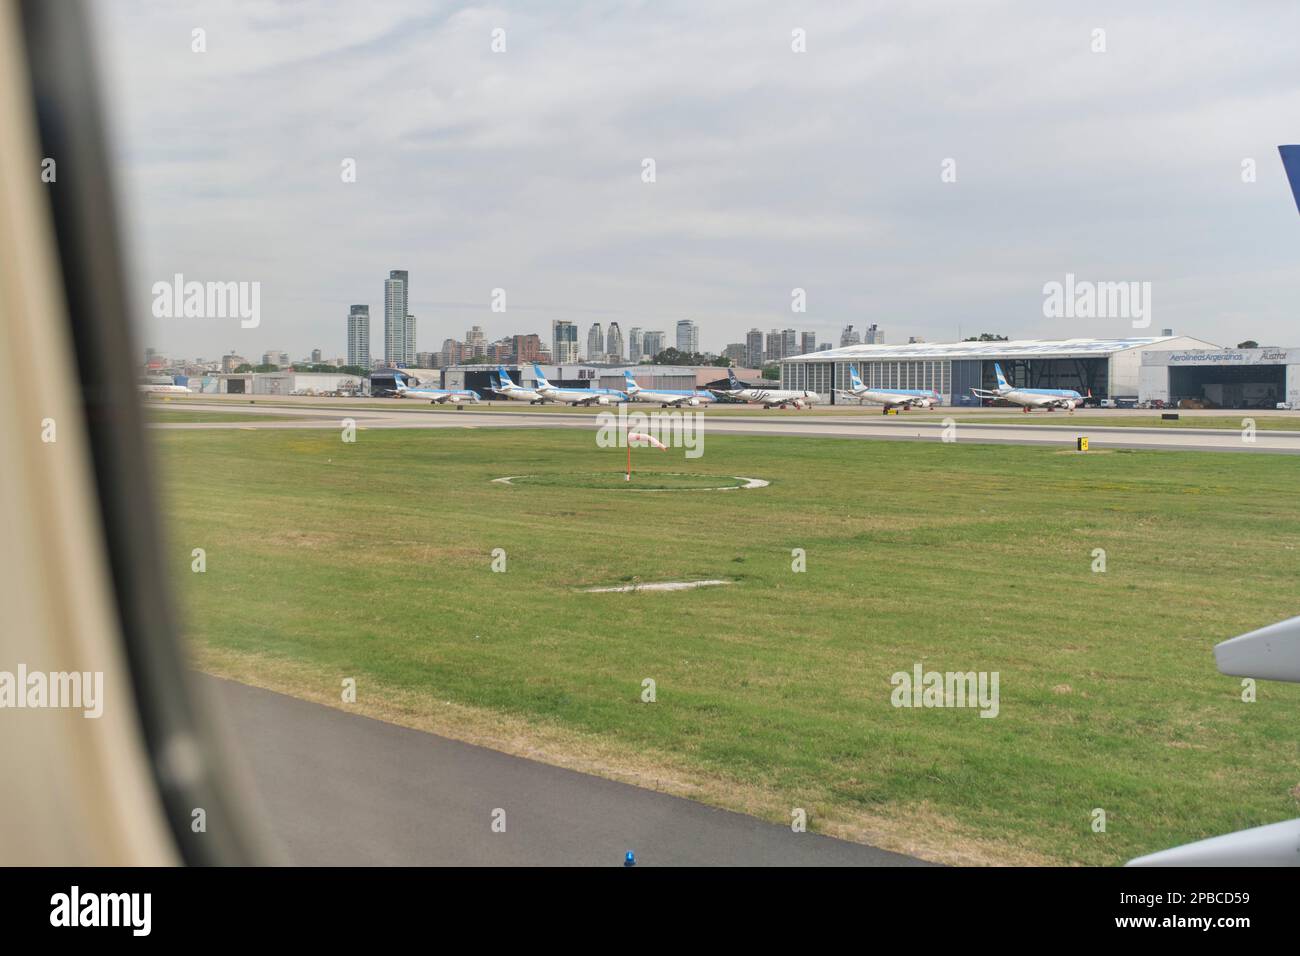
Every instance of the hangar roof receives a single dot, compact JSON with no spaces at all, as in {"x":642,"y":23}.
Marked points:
{"x":1022,"y":348}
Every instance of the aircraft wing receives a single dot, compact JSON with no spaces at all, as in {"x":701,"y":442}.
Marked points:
{"x":1270,"y":653}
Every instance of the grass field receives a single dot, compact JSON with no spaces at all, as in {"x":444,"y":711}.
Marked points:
{"x":373,"y":560}
{"x":154,"y":414}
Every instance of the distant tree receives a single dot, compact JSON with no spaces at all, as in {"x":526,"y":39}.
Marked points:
{"x":722,"y":362}
{"x":987,"y":337}
{"x":243,"y":369}
{"x":1248,"y":344}
{"x":772,"y":372}
{"x":671,"y":356}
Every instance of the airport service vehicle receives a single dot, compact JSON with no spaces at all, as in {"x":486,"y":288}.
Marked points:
{"x":665,"y":397}
{"x":507,"y":388}
{"x":576,"y":396}
{"x":165,"y":390}
{"x":1030,"y":398}
{"x":437,"y":396}
{"x":903,"y":398}
{"x":767,"y":397}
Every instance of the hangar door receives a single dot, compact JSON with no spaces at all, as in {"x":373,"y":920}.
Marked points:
{"x":1229,"y":386}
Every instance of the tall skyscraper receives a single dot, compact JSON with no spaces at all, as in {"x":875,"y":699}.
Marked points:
{"x":614,"y":343}
{"x":595,"y":343}
{"x":874,"y":336}
{"x":564,"y":342}
{"x":652,"y":343}
{"x":809,"y":343}
{"x":359,"y":336}
{"x":754,"y":348}
{"x":775,"y":345}
{"x":408,"y":340}
{"x":849,"y":337}
{"x":688,"y":336}
{"x":396,"y":302}
{"x":634,"y":345}
{"x":789,"y":343}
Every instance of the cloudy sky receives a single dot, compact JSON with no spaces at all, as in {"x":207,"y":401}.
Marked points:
{"x":775,"y":169}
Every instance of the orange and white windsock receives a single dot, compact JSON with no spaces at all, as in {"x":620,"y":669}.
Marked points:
{"x":641,"y":438}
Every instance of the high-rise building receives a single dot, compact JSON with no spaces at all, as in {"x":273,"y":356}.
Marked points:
{"x":276,"y":358}
{"x":849,"y":337}
{"x":476,"y":341}
{"x":789,"y":343}
{"x":688,"y":336}
{"x":652,"y":343}
{"x":595,"y":343}
{"x":396,"y":301}
{"x":359,"y":336}
{"x":775,"y":346}
{"x":564,"y":342}
{"x":873,"y":336}
{"x":737,"y":353}
{"x":809,"y":343}
{"x":634,"y":345}
{"x":754,"y":348}
{"x":527,"y":348}
{"x":614,"y":343}
{"x":316,"y":356}
{"x":408,"y":340}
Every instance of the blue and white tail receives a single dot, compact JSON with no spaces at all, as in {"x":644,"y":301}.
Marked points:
{"x":1291,"y":163}
{"x":731,"y":378}
{"x":1003,"y":385}
{"x":854,"y":382}
{"x":632,"y":386}
{"x":541,"y":379}
{"x":401,"y":386}
{"x":505,"y":378}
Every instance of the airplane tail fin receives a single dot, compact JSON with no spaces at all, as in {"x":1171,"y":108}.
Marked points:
{"x":1002,"y":379}
{"x":854,"y":381}
{"x":731,"y":378}
{"x":504,"y":376}
{"x":1291,"y":163}
{"x":632,"y":386}
{"x":401,"y":386}
{"x":541,"y":379}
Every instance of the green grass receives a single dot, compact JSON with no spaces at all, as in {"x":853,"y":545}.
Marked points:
{"x":200,"y":415}
{"x":1262,"y":422}
{"x":373,"y":560}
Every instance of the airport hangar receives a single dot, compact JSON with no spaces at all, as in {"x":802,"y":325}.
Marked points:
{"x":1225,"y":378}
{"x":1109,"y":368}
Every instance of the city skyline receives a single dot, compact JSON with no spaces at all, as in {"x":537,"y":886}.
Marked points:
{"x":926,"y":198}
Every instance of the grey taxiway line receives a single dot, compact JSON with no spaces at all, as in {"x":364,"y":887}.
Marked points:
{"x":341,"y":789}
{"x":779,"y":423}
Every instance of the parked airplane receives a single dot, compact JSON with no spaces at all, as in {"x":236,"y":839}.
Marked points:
{"x":1048,"y":398}
{"x":576,"y":396}
{"x":767,"y":397}
{"x":903,"y":398}
{"x":665,"y":397}
{"x":516,"y":393}
{"x":437,"y":396}
{"x":165,"y":390}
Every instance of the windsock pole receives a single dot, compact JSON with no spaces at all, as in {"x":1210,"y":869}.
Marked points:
{"x":628,"y":436}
